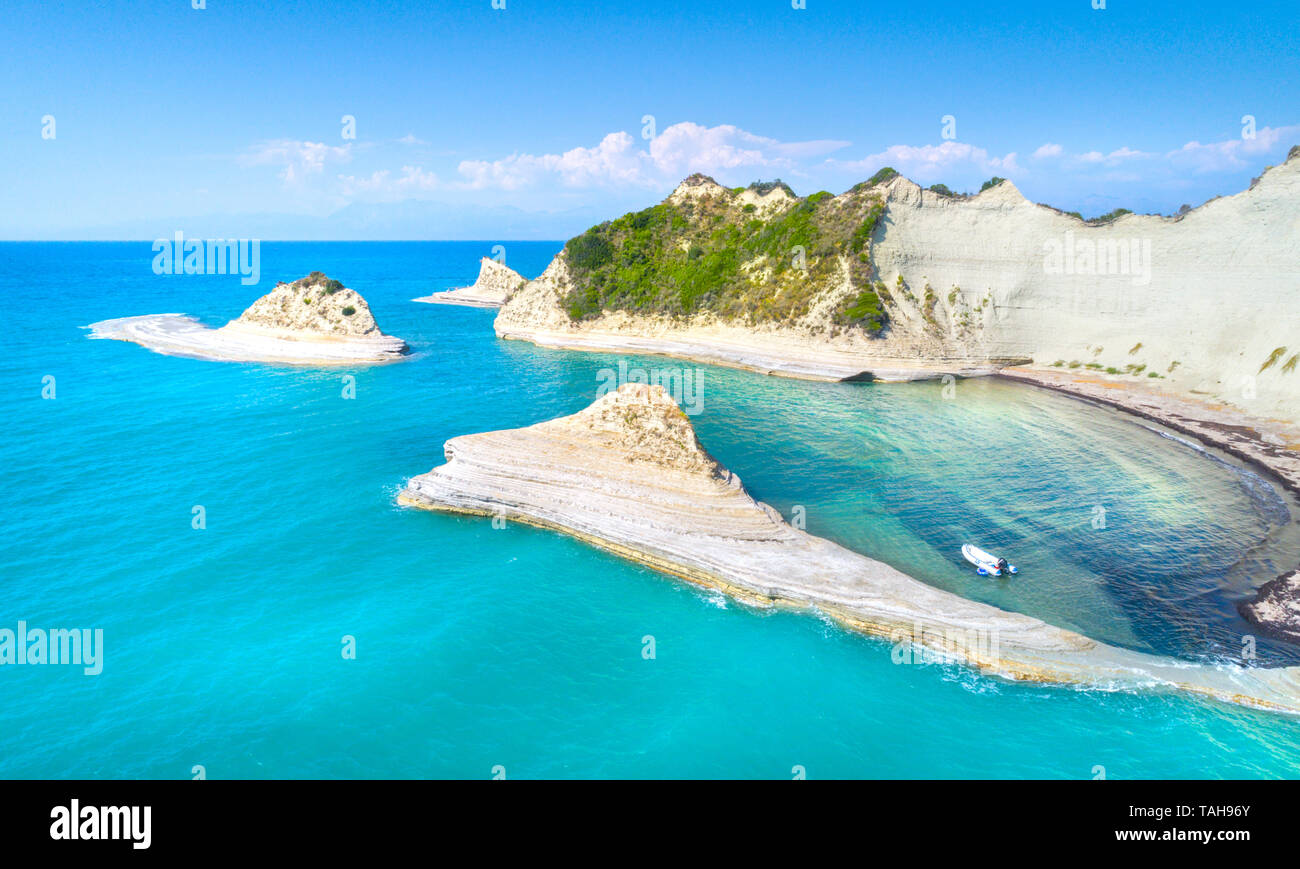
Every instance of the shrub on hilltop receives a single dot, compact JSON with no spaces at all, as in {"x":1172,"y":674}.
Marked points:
{"x":762,"y":188}
{"x":319,"y":279}
{"x":889,"y":173}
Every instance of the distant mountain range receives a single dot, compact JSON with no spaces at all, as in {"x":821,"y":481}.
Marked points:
{"x":411,"y":220}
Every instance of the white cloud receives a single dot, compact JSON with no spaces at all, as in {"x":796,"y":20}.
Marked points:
{"x":614,"y":159}
{"x":1233,"y":154}
{"x":685,"y":148}
{"x":928,"y":162}
{"x":1127,"y":153}
{"x":381,"y":185}
{"x":411,"y":139}
{"x":620,"y":160}
{"x":1194,"y":157}
{"x":297,"y":159}
{"x":1114,"y":158}
{"x":622,"y":169}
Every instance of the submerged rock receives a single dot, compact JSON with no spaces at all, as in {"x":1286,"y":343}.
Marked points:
{"x":1276,"y":608}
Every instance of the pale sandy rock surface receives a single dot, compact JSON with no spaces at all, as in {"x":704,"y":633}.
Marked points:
{"x":311,"y":306}
{"x":311,"y":321}
{"x":766,"y":204}
{"x":628,"y":475}
{"x":496,"y":283}
{"x":696,"y":187}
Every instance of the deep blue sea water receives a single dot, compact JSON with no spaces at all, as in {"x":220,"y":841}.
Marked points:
{"x":519,"y":648}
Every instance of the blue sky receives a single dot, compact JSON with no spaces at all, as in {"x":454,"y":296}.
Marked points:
{"x":473,"y":122}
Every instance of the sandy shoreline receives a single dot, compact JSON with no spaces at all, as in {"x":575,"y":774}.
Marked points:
{"x":182,"y":335}
{"x":1271,"y":445}
{"x":781,"y":356}
{"x":627,"y":475}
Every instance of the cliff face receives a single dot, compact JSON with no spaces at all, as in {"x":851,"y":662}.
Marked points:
{"x":1204,"y":300}
{"x":315,"y":305}
{"x":888,"y":278}
{"x":495,"y":284}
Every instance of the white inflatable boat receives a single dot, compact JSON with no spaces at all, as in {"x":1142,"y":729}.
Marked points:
{"x":985,"y":564}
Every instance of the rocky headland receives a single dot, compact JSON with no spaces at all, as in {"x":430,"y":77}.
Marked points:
{"x":889,"y":280}
{"x":495,"y":285}
{"x":628,"y":475}
{"x":312,"y":321}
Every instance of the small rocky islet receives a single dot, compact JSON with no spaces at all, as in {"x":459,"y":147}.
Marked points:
{"x":314,"y":320}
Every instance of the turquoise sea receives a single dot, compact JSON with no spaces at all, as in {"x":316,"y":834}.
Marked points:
{"x":519,"y":651}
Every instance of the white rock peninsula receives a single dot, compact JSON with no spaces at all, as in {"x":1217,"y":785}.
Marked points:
{"x":628,"y":475}
{"x":496,"y":283}
{"x":312,"y":321}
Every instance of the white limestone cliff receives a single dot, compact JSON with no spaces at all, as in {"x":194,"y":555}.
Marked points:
{"x":1202,"y":304}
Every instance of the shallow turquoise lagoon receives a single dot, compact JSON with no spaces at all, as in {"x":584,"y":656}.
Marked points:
{"x":518,"y":648}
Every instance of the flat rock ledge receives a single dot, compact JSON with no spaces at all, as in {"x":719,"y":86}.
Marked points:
{"x":495,"y":285}
{"x":312,"y":321}
{"x":628,"y":475}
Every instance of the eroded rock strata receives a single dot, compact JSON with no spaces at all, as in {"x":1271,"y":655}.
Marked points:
{"x":628,"y":475}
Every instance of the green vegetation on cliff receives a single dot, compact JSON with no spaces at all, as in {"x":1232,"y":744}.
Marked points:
{"x":718,"y":254}
{"x":315,"y":279}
